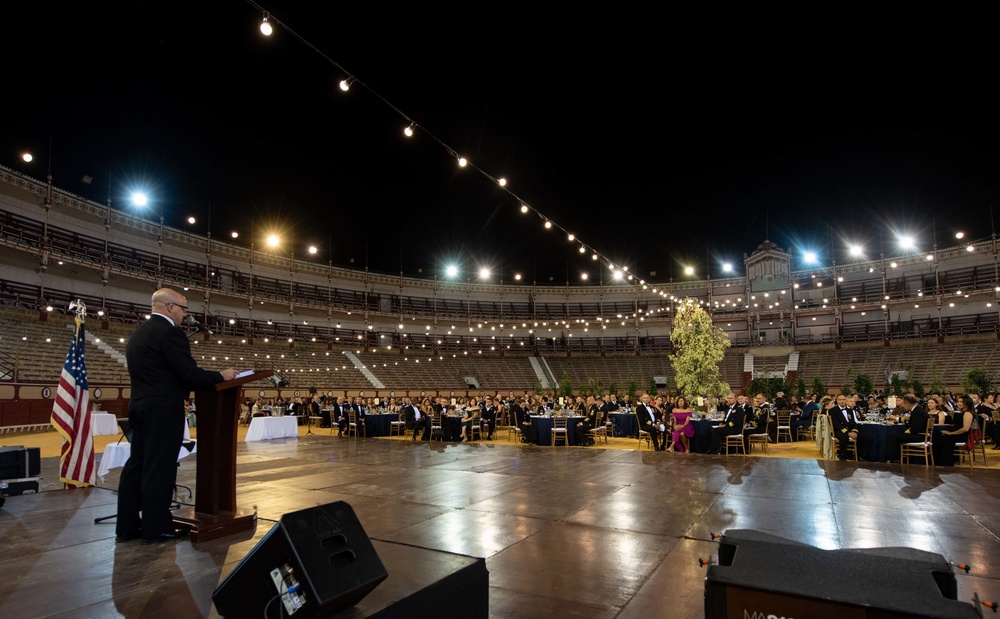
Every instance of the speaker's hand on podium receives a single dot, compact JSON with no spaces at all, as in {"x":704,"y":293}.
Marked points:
{"x":229,"y":374}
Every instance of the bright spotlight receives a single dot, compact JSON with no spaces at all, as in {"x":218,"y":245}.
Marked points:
{"x":809,"y":256}
{"x":689,"y":270}
{"x":906,"y":241}
{"x":855,"y":250}
{"x":234,"y":234}
{"x":727,"y":268}
{"x":451,"y":270}
{"x":617,"y":275}
{"x":191,"y":220}
{"x":27,"y":157}
{"x":272,"y":240}
{"x":484,"y":273}
{"x":959,"y":235}
{"x":139,"y":198}
{"x":313,"y":250}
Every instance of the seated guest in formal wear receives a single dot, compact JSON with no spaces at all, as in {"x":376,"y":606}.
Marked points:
{"x":986,"y":412}
{"x":916,"y":428}
{"x":845,"y":428}
{"x":339,"y":414}
{"x":805,"y":417}
{"x":732,"y":422}
{"x":470,"y":416}
{"x":936,"y":411}
{"x":756,"y":419}
{"x":611,"y":402}
{"x":422,"y":424}
{"x":963,"y":430}
{"x":410,"y":414}
{"x":489,"y":415}
{"x":648,"y":420}
{"x":683,"y":430}
{"x":588,"y":423}
{"x":527,"y":426}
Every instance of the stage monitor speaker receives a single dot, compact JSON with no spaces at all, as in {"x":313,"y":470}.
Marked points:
{"x":761,"y":575}
{"x":315,"y":560}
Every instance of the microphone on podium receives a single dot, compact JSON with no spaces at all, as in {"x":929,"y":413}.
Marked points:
{"x":198,"y":327}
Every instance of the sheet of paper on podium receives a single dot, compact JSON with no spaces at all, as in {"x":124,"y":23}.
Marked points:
{"x":246,"y":373}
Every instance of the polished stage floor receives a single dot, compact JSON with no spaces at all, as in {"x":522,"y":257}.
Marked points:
{"x":566,"y":532}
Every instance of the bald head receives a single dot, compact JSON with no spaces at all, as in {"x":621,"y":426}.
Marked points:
{"x":170,"y":303}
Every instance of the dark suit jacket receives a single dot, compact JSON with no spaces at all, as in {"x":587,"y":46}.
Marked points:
{"x":758,"y":418}
{"x":160,"y":363}
{"x":917,"y":425}
{"x":410,"y":416}
{"x":733,"y":421}
{"x":842,"y":426}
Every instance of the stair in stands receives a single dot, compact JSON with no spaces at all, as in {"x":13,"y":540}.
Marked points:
{"x":364,"y":370}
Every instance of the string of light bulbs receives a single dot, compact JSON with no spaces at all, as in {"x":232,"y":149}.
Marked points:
{"x":411,"y":126}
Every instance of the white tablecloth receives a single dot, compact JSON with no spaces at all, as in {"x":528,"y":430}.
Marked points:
{"x":116,"y":455}
{"x":263,"y":428}
{"x":103,"y":423}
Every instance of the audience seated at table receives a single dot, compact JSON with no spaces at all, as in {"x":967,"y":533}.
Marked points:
{"x":470,"y":415}
{"x":935,"y":410}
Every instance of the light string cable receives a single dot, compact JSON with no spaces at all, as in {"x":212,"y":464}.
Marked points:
{"x":525,"y":207}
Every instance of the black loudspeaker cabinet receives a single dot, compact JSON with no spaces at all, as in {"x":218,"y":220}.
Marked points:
{"x":762,"y":575}
{"x":17,"y":462}
{"x":317,"y":560}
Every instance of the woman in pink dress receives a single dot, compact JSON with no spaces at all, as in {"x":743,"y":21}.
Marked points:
{"x":683,"y":430}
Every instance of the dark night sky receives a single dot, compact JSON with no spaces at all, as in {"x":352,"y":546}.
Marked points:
{"x":657,"y":139}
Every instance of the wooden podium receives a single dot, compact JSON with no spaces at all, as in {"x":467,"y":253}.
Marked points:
{"x":215,"y":513}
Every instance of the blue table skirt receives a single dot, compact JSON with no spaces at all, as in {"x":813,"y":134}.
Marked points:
{"x":871,"y":440}
{"x":379,"y":425}
{"x":543,"y":429}
{"x":626,"y":424}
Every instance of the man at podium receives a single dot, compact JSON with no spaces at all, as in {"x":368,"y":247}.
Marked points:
{"x":162,"y":374}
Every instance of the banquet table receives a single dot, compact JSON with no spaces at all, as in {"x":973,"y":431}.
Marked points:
{"x":264,"y":428}
{"x":543,"y":429}
{"x":102,"y":424}
{"x":117,"y":454}
{"x":379,"y":425}
{"x":872,"y":438}
{"x":626,"y":424}
{"x":702,"y":438}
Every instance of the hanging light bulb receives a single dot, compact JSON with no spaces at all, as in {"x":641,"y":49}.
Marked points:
{"x":345,"y":84}
{"x":408,"y":132}
{"x":265,"y":26}
{"x":548,"y":225}
{"x":524,"y":208}
{"x":502,"y":182}
{"x":462,"y":162}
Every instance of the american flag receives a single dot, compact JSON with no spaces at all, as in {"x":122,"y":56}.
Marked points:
{"x":71,"y":417}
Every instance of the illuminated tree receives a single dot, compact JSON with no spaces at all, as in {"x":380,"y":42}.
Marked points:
{"x":699,"y":349}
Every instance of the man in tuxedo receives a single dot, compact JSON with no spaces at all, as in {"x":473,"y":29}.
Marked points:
{"x":915,"y":432}
{"x":647,"y":420}
{"x":588,"y":423}
{"x":756,"y":419}
{"x":338,"y":412}
{"x":611,"y":403}
{"x":732,"y":423}
{"x":490,"y":415}
{"x":162,"y":374}
{"x":845,"y":426}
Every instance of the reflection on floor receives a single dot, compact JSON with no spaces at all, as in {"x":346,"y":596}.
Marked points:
{"x":565,"y":532}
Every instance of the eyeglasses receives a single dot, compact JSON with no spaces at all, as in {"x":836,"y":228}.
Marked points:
{"x":183,"y":307}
